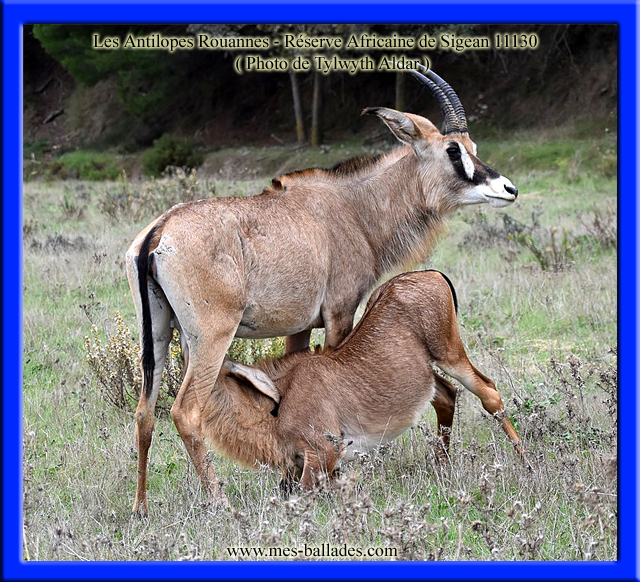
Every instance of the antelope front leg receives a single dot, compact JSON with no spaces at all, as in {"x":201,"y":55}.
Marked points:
{"x":297,"y":342}
{"x":337,"y":325}
{"x":187,"y":416}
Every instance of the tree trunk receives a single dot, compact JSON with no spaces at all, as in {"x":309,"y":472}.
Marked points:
{"x":297,"y":105}
{"x":316,"y":110}
{"x":400,"y":92}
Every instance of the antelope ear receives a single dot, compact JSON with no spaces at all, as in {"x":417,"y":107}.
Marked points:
{"x":257,"y":378}
{"x":399,"y":124}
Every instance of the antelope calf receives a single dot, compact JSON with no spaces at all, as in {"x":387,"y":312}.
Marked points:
{"x":301,"y":255}
{"x":306,"y":412}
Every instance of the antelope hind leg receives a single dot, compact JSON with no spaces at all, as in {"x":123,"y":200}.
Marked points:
{"x":144,"y":417}
{"x":496,"y":408}
{"x":338,"y":325}
{"x":208,"y":304}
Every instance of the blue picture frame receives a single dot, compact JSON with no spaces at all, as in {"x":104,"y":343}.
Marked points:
{"x":622,"y":13}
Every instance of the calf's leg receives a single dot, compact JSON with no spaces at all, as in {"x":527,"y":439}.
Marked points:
{"x":320,"y":463}
{"x":459,"y":367}
{"x":444,"y":403}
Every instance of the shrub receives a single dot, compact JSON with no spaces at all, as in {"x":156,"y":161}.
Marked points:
{"x":606,"y":163}
{"x":250,"y":351}
{"x":553,"y":249}
{"x":71,"y":209}
{"x":35,"y":149}
{"x":60,"y":243}
{"x":552,"y":253}
{"x":170,"y":151}
{"x":559,"y":411}
{"x":86,"y":165}
{"x":30,"y":227}
{"x":116,"y":366}
{"x":115,"y":363}
{"x":602,"y":228}
{"x":498,"y":229}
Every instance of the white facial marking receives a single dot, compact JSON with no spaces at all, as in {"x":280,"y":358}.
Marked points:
{"x":467,"y":164}
{"x":475,"y":149}
{"x":492,"y":192}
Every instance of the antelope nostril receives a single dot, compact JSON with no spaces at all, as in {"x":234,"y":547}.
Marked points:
{"x":511,"y":189}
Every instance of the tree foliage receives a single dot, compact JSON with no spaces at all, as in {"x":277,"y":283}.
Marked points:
{"x":150,"y":82}
{"x":195,"y":89}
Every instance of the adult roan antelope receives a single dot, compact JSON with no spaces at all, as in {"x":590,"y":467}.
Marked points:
{"x":306,"y":412}
{"x":302,"y":254}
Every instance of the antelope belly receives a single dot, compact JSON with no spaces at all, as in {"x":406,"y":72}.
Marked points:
{"x":356,"y":442}
{"x":359,"y":444}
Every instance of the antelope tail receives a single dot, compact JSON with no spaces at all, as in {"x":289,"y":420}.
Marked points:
{"x":148,"y":359}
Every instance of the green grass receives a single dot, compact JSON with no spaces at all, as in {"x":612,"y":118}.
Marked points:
{"x":592,"y":156}
{"x":522,"y":326}
{"x":76,"y":165}
{"x":88,"y":165}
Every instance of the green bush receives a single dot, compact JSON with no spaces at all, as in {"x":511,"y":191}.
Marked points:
{"x":170,"y":151}
{"x":86,"y":165}
{"x":115,"y":363}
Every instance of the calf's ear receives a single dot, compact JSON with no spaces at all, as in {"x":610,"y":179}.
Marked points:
{"x":257,"y":378}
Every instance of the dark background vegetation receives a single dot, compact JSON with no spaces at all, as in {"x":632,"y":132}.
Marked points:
{"x":126,"y":99}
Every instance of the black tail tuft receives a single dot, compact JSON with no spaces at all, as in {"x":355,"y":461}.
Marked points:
{"x":453,"y":290}
{"x":148,"y":360}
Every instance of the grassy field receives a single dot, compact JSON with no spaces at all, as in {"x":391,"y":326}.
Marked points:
{"x":537,"y":291}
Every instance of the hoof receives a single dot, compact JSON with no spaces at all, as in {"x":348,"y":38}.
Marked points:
{"x":140,"y":510}
{"x":215,"y":495}
{"x":222,"y":500}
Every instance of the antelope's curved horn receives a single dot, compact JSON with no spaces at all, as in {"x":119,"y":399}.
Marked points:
{"x":451,"y":123}
{"x":461,"y":116}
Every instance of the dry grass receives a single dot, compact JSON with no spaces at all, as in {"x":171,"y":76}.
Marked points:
{"x":547,"y":337}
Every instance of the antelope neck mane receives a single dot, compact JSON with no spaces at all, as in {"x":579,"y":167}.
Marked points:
{"x":277,"y":367}
{"x":357,"y":167}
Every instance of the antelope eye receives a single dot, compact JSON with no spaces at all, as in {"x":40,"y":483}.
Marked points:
{"x":454,"y":152}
